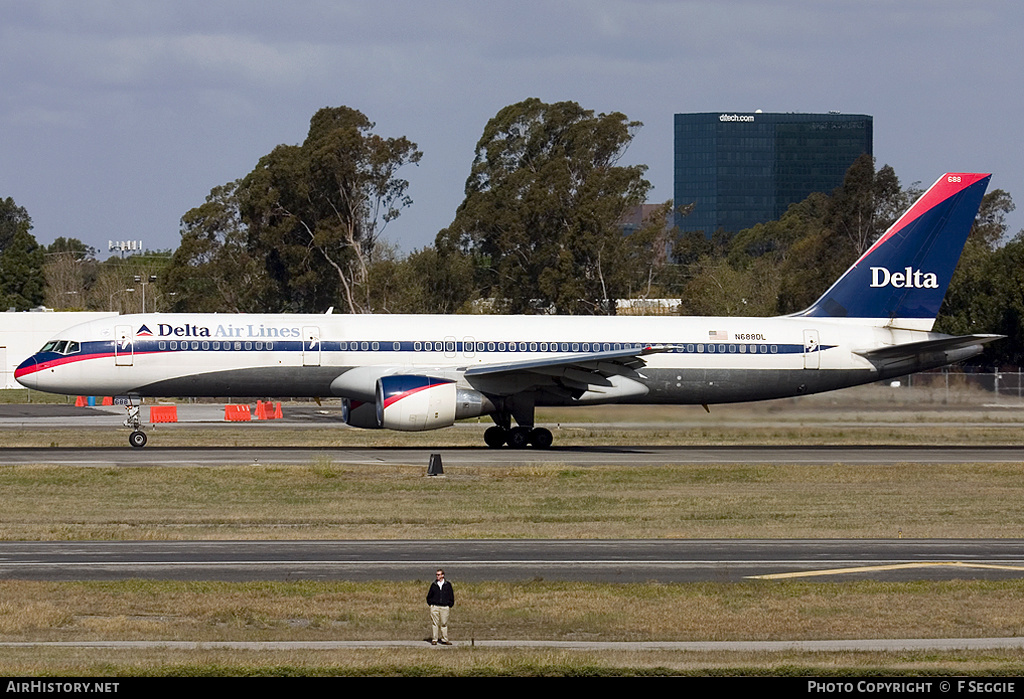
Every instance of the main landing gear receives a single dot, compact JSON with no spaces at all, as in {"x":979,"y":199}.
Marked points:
{"x":524,"y":434}
{"x":518,"y":437}
{"x":137,"y":438}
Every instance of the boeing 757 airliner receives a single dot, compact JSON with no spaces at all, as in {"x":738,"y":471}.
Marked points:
{"x":416,"y":372}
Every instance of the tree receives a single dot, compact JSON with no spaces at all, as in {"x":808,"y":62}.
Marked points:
{"x":543,"y":201}
{"x":795,"y":258}
{"x":984,"y":295}
{"x":866,"y":204}
{"x":425,"y":281}
{"x":123,"y":284}
{"x":298,"y":233}
{"x":70,"y":271}
{"x":316,"y":211}
{"x":21,"y":259}
{"x":13,"y":218}
{"x":213,"y":269}
{"x":855,"y":216}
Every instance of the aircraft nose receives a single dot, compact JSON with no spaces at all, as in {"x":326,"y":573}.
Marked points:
{"x":26,"y":373}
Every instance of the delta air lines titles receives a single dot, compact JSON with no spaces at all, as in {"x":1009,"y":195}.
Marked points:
{"x":224,"y":330}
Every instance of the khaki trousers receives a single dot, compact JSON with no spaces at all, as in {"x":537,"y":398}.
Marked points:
{"x":439,"y":622}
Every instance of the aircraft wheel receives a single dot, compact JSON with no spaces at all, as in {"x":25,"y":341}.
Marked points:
{"x":519,"y":438}
{"x":495,"y":437}
{"x":541,"y":438}
{"x":137,"y":439}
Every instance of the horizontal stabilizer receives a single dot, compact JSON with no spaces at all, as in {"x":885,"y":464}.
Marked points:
{"x":912,"y":349}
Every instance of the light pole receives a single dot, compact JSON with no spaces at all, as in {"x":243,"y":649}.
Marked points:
{"x":120,"y":291}
{"x":139,"y":280}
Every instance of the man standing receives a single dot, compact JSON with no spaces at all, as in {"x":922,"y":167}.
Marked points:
{"x":441,"y":599}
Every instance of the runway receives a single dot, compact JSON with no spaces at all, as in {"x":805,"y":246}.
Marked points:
{"x":482,"y":456}
{"x":616,"y":561}
{"x":514,"y":560}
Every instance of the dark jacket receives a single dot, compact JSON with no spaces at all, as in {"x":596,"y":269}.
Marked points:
{"x":441,"y":596}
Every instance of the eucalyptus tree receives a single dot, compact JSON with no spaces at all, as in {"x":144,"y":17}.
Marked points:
{"x":542,"y":207}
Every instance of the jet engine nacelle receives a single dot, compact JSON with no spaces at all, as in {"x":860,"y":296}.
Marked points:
{"x":356,"y":413}
{"x":414,"y":403}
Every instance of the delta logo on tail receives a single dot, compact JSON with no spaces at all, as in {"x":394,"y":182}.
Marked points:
{"x":909,"y":278}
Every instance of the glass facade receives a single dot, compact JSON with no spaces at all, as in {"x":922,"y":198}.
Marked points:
{"x":740,"y":169}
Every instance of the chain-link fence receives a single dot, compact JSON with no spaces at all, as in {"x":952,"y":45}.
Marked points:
{"x":999,"y":382}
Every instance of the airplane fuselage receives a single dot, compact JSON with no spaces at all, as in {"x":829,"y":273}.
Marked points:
{"x":705,"y":360}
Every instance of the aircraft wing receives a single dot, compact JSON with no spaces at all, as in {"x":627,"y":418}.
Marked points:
{"x":912,"y":349}
{"x":608,"y":372}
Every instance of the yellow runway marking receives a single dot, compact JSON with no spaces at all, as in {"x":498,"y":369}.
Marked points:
{"x":874,"y":569}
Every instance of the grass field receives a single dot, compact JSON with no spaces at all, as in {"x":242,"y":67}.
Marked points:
{"x":308,"y":611}
{"x":324,"y":500}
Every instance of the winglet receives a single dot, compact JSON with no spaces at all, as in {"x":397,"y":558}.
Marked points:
{"x":903,"y":277}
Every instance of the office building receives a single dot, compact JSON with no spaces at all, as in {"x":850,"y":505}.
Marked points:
{"x":740,"y":169}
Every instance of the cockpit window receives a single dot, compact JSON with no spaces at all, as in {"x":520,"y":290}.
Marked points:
{"x":61,"y":346}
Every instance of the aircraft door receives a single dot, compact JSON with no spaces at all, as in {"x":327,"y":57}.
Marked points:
{"x":812,"y":350}
{"x":124,"y":347}
{"x":310,"y":346}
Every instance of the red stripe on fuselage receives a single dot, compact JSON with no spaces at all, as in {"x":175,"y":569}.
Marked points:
{"x":50,"y":363}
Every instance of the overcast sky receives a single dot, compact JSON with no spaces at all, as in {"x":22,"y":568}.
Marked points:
{"x":118,"y":117}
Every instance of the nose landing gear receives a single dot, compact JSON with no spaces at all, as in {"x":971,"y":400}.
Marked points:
{"x":137,"y":438}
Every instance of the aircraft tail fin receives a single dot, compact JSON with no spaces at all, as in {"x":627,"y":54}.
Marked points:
{"x":902,"y":279}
